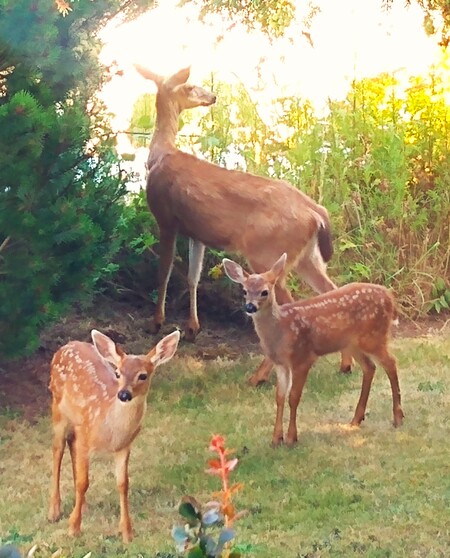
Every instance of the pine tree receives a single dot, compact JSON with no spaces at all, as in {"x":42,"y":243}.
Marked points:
{"x":60,"y":178}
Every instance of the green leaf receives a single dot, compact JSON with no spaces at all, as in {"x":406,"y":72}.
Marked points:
{"x":196,"y":552}
{"x":188,"y":511}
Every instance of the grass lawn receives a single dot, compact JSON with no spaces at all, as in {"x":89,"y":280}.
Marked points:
{"x":372,"y":491}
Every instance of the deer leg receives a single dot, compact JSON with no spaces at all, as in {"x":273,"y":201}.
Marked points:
{"x":166,"y":255}
{"x":388,"y":362}
{"x":368,"y":368}
{"x":313,"y":271}
{"x":81,"y":484}
{"x":121,"y":459}
{"x":262,"y":373}
{"x":284,"y":382}
{"x":300,"y":373}
{"x":196,"y":254}
{"x":58,"y":446}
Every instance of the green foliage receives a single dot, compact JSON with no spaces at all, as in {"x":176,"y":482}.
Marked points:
{"x":272,"y":17}
{"x":193,"y":538}
{"x":132,"y":271}
{"x":60,"y":178}
{"x":143,"y":120}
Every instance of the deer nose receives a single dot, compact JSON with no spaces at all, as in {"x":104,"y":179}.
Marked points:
{"x":124,"y":395}
{"x":250,"y":308}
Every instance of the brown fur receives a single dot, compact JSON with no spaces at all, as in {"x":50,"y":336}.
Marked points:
{"x":356,"y":317}
{"x":239,"y":212}
{"x":89,"y":414}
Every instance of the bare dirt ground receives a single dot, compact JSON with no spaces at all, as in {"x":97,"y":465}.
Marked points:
{"x":24,"y":382}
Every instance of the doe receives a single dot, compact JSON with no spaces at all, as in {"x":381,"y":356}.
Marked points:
{"x":255,"y":216}
{"x":99,"y":401}
{"x":357,"y":316}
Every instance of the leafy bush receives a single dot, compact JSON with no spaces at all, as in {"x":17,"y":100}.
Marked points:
{"x":192,"y":539}
{"x":60,"y":178}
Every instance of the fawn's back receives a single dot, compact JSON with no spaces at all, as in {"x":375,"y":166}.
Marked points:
{"x":358,"y":315}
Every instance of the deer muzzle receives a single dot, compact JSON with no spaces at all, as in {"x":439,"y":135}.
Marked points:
{"x":124,"y":395}
{"x":250,"y":308}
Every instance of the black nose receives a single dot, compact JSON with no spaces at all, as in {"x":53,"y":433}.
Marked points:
{"x":250,"y":308}
{"x":124,"y":395}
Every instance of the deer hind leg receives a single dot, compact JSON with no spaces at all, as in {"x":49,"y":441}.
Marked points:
{"x":81,"y":468}
{"x":196,"y":254}
{"x":58,"y":447}
{"x":300,"y":373}
{"x":284,"y":382}
{"x":313,"y":271}
{"x":166,"y":255}
{"x":121,"y":459}
{"x":368,"y":368}
{"x":389,"y":363}
{"x":262,"y":373}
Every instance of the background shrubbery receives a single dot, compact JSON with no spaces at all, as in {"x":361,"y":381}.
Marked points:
{"x":379,"y":161}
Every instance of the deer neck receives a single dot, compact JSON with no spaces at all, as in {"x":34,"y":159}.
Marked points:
{"x":166,"y":129}
{"x":267,"y":325}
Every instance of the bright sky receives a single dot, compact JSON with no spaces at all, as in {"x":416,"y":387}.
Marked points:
{"x":352,"y":38}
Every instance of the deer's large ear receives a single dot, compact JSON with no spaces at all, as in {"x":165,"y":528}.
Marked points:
{"x":179,"y":78}
{"x":165,"y":349}
{"x":234,"y":271}
{"x":278,"y":267}
{"x":148,"y":74}
{"x":107,"y":348}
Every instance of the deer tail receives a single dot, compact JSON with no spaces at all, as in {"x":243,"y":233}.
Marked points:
{"x":325,"y":241}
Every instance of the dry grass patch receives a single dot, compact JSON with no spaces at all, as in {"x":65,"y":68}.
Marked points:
{"x":342,"y":492}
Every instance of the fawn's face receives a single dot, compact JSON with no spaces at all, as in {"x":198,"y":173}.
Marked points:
{"x":259,"y":288}
{"x":258,"y":293}
{"x":133,"y":372}
{"x":133,"y":375}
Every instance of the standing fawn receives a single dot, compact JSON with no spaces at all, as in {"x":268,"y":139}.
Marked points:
{"x":99,"y":401}
{"x":357,"y":316}
{"x":230,"y":210}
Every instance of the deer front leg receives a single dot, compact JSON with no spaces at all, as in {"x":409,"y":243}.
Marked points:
{"x":196,"y":254}
{"x":81,"y":468}
{"x":299,"y":375}
{"x":121,"y":459}
{"x":58,"y":446}
{"x":284,"y":381}
{"x":166,"y":255}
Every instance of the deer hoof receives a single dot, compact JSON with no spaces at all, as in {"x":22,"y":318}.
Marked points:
{"x":254,"y":381}
{"x":191,"y":334}
{"x":154,"y":327}
{"x":277,"y":442}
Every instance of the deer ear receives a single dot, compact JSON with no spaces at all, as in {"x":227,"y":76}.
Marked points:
{"x":148,"y":74}
{"x":234,"y":271}
{"x":165,"y":349}
{"x":107,"y":348}
{"x":179,"y":78}
{"x":278,"y":267}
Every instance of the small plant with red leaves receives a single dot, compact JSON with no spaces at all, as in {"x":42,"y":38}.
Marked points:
{"x":192,"y":538}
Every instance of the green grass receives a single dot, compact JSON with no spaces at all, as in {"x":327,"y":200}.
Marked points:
{"x":374,"y":491}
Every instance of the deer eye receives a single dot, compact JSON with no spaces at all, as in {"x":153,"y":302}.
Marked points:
{"x":244,"y":291}
{"x":264,"y":293}
{"x":142,"y":377}
{"x":117,"y":374}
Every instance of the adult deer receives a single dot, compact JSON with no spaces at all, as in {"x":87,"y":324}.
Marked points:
{"x":357,"y":316}
{"x":99,"y":402}
{"x":230,"y":210}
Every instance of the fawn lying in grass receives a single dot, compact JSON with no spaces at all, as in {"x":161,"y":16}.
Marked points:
{"x":356,"y":317}
{"x":99,"y":402}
